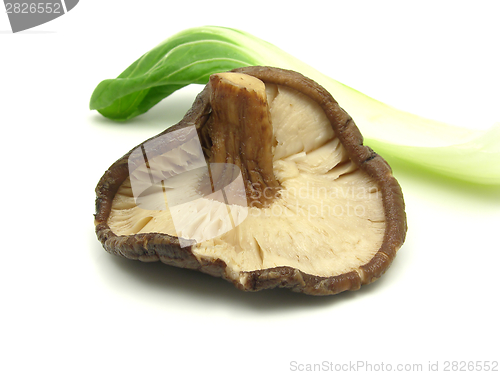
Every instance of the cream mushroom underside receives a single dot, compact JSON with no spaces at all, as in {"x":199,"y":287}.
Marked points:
{"x":328,"y":218}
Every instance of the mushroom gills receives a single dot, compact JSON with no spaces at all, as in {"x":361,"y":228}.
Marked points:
{"x":325,"y":219}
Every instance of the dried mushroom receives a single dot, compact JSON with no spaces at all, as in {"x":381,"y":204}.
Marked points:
{"x":265,"y":183}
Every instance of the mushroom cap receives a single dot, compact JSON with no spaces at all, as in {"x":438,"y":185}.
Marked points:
{"x":189,"y":253}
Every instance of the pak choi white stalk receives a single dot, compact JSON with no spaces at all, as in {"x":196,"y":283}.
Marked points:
{"x":192,"y":55}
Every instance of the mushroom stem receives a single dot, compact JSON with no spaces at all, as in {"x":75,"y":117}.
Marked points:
{"x":241,"y":133}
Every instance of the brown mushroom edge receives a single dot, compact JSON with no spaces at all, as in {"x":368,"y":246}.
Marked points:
{"x":150,"y":247}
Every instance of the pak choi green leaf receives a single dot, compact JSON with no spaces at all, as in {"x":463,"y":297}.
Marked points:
{"x":192,"y":55}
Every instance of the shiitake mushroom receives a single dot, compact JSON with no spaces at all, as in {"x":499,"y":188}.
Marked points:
{"x":265,"y":182}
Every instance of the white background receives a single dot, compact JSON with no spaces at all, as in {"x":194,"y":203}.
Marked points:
{"x":68,"y":307}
